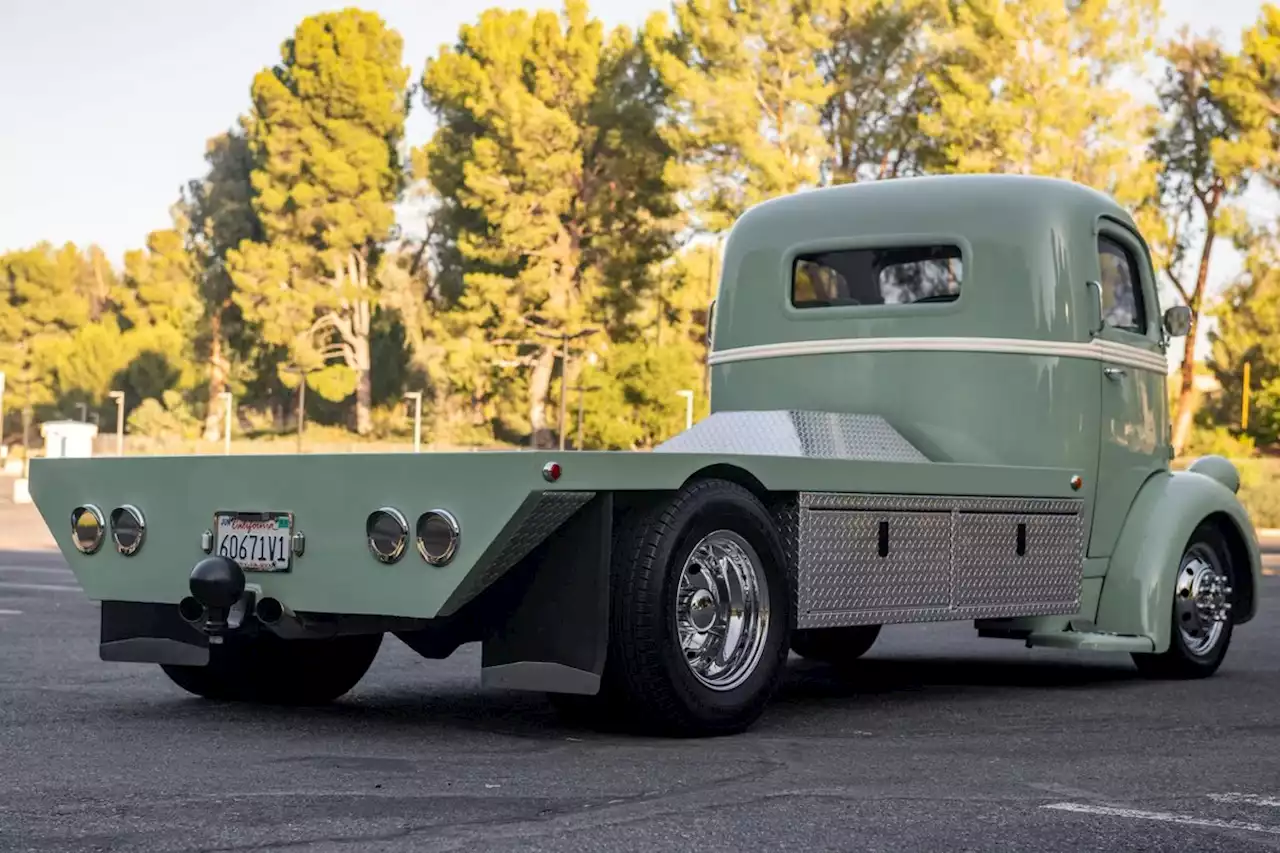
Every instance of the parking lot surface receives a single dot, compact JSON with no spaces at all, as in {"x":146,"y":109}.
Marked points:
{"x":936,"y":741}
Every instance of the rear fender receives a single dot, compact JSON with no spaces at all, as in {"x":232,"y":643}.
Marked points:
{"x":1137,"y":592}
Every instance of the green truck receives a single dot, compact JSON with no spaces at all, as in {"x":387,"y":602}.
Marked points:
{"x":938,"y":398}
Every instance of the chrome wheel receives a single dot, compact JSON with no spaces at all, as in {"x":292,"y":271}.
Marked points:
{"x":722,"y":610}
{"x":1201,"y":605}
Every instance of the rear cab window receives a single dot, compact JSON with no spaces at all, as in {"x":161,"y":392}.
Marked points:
{"x":897,"y":276}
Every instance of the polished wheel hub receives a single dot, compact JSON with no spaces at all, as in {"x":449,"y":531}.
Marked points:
{"x":1202,"y":603}
{"x":722,"y":610}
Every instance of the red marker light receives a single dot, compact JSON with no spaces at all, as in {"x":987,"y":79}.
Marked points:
{"x":551,"y":472}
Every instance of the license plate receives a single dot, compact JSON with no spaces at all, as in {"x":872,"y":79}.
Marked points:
{"x":257,"y":541}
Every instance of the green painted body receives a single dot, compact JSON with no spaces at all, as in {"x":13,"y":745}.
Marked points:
{"x":989,"y":423}
{"x":332,"y":495}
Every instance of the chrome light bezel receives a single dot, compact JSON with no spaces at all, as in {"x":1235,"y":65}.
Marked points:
{"x":396,"y":516}
{"x":136,"y":514}
{"x":455,"y":534}
{"x":76,"y":515}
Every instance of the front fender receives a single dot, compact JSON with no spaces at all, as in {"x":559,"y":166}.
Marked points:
{"x":1137,"y":592}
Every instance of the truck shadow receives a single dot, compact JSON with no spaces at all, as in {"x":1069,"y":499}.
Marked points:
{"x":814,"y":692}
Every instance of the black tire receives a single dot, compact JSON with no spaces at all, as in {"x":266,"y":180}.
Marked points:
{"x":834,"y":645}
{"x":645,"y":666}
{"x":1180,"y":660}
{"x":267,"y":670}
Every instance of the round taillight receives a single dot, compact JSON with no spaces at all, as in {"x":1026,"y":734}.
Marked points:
{"x":127,"y":529}
{"x":388,"y":534}
{"x":87,"y":528}
{"x":551,"y":472}
{"x":438,"y":535}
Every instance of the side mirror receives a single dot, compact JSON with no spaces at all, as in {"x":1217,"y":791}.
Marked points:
{"x":1177,"y":321}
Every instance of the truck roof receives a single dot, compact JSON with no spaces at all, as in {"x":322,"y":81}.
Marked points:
{"x":1028,"y":242}
{"x":944,"y":197}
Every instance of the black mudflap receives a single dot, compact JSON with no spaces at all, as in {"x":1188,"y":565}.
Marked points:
{"x":138,"y":632}
{"x":555,"y":639}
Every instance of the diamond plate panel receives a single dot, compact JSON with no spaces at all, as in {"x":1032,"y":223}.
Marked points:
{"x":989,"y":572}
{"x":842,"y":569}
{"x":816,"y":435}
{"x":965,"y":545}
{"x":924,"y":503}
{"x":537,"y":518}
{"x":841,"y":619}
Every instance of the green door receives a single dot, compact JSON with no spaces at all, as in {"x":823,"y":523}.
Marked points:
{"x":1133,"y":424}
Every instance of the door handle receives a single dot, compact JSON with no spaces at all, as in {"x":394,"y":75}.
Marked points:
{"x":1114,"y":373}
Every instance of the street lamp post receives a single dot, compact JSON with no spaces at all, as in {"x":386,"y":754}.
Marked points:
{"x":688,"y":407}
{"x":564,"y":367}
{"x":118,"y":396}
{"x":416,"y":396}
{"x":226,"y":429}
{"x":84,"y":412}
{"x":582,"y":393}
{"x":2,"y":452}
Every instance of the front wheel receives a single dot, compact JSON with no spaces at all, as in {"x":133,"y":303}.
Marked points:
{"x":700,"y":611}
{"x":268,"y":670}
{"x":1200,"y":629}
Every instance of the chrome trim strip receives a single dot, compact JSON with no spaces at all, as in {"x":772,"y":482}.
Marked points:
{"x":1097,"y":350}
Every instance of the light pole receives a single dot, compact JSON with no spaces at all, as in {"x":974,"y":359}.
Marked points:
{"x":416,"y":396}
{"x":118,"y":396}
{"x":582,"y":393}
{"x":688,"y":407}
{"x":2,"y":451}
{"x":564,"y":367}
{"x":84,"y":412}
{"x":226,"y":429}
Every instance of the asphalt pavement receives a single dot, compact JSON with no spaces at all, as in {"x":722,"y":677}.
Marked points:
{"x":936,"y":741}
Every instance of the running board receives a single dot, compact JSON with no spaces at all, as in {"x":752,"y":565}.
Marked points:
{"x":1090,"y":641}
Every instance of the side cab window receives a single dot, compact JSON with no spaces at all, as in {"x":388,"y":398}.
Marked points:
{"x":1123,"y":305}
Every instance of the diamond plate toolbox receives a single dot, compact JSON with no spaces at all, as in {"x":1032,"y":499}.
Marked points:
{"x":883,"y":559}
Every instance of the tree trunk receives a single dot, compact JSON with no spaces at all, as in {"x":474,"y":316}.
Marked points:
{"x":364,"y":385}
{"x":214,"y":417}
{"x":539,"y":387}
{"x":1186,"y":394}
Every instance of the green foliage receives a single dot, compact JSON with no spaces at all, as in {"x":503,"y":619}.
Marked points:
{"x":746,"y":98}
{"x":554,"y":206}
{"x":324,"y":135}
{"x":876,"y":67}
{"x":164,"y":418}
{"x":570,"y":170}
{"x":1037,"y":87}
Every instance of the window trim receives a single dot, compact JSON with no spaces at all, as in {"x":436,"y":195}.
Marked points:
{"x":877,"y":241}
{"x":1106,"y":244}
{"x":1127,"y":238}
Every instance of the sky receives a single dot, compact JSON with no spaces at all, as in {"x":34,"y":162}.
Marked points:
{"x":105,"y":107}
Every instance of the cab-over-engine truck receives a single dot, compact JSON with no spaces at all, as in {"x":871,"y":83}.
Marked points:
{"x":937,"y":398}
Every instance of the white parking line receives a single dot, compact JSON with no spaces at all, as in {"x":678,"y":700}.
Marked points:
{"x":1164,"y":817}
{"x":43,"y":587}
{"x":1245,"y":799}
{"x":10,"y":612}
{"x":38,"y":570}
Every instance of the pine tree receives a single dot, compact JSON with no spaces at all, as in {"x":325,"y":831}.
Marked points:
{"x":324,"y":132}
{"x":553,"y":202}
{"x":745,"y":99}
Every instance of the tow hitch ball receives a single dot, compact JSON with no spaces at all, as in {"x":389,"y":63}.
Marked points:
{"x":217,"y":586}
